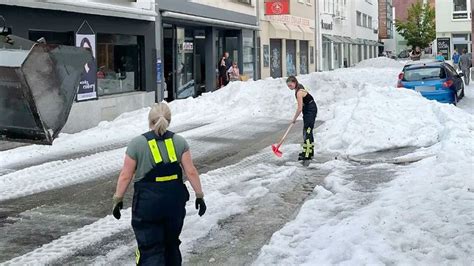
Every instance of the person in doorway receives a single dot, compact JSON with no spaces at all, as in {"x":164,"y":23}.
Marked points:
{"x":234,"y":73}
{"x":416,"y":54}
{"x":440,"y":57}
{"x":455,"y":58}
{"x":465,"y":65}
{"x":223,"y":67}
{"x":157,"y":158}
{"x":307,"y":106}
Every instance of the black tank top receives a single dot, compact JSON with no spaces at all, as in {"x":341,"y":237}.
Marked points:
{"x":306,"y":99}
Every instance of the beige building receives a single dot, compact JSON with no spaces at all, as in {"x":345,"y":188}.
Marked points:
{"x":287,"y":40}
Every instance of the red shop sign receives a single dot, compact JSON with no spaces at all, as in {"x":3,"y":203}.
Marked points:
{"x":277,"y":7}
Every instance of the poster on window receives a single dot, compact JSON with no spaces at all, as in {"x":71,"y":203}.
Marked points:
{"x":275,"y":58}
{"x":266,"y":55}
{"x":88,"y":84}
{"x":444,"y":45}
{"x":303,"y":57}
{"x":290,"y":58}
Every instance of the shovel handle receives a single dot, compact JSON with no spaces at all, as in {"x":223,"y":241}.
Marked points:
{"x":286,"y":134}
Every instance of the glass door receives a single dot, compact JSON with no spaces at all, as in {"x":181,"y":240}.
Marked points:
{"x":184,"y":63}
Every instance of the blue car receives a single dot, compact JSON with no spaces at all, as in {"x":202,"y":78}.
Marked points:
{"x":434,"y":80}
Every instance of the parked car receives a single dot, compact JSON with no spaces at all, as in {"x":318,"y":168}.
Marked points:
{"x":404,"y":54}
{"x":434,"y":80}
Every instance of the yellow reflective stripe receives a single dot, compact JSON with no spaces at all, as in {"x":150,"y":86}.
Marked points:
{"x":308,"y":130}
{"x":137,"y":256}
{"x":308,"y":149}
{"x":170,"y":148}
{"x":166,"y":178}
{"x":155,"y":151}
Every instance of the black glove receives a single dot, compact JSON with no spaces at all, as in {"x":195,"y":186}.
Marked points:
{"x":118,"y":205}
{"x":201,"y":205}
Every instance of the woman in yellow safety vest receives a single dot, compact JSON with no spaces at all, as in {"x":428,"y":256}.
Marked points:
{"x":157,"y":159}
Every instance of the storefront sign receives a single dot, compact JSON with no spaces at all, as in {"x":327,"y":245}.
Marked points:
{"x":289,"y":19}
{"x":326,"y":26}
{"x":444,"y":45}
{"x":460,"y":16}
{"x":277,"y":7}
{"x":188,"y":46}
{"x":159,"y":70}
{"x":87,"y":89}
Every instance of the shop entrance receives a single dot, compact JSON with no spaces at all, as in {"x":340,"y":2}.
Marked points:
{"x":184,"y":61}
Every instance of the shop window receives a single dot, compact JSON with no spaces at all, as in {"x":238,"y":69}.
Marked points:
{"x":460,"y":9}
{"x":303,"y":57}
{"x":291,"y":57}
{"x":460,"y":5}
{"x":118,"y":58}
{"x":275,"y":58}
{"x":359,"y":18}
{"x":52,"y":37}
{"x":248,"y":54}
{"x":185,"y":82}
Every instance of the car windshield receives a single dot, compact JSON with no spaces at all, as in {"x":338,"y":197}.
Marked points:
{"x":424,"y":73}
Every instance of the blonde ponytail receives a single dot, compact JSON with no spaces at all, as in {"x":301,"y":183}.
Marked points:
{"x":159,"y":118}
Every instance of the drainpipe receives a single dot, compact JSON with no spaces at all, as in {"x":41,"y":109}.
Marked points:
{"x":317,"y":35}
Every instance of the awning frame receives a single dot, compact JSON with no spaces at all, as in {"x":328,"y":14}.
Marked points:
{"x":175,"y":15}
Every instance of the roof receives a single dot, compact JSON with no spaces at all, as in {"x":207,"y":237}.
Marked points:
{"x":430,"y":63}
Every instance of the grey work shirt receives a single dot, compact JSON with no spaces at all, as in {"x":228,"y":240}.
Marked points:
{"x":139,"y":151}
{"x":464,"y":61}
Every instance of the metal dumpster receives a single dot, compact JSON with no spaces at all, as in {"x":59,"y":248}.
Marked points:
{"x":38,"y":84}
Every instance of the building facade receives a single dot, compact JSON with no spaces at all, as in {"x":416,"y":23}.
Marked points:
{"x":453,"y":26}
{"x":286,"y":37}
{"x":387,"y":25}
{"x":348,"y":31}
{"x":401,"y":13}
{"x":192,"y":36}
{"x":122,"y":37}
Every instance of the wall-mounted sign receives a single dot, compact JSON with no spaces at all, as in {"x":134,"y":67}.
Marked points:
{"x":460,"y":15}
{"x":277,"y":7}
{"x":158,"y":70}
{"x":85,"y":38}
{"x":443,"y":46}
{"x":326,"y":26}
{"x":188,"y":46}
{"x":293,"y":20}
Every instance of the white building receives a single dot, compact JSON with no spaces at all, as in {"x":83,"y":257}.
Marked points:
{"x":453,"y":26}
{"x":347,"y":32}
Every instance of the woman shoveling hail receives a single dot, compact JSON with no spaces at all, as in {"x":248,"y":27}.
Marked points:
{"x":307,"y":106}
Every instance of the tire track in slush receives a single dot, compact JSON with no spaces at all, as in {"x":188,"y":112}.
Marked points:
{"x":76,"y":246}
{"x":91,"y":199}
{"x":76,"y":152}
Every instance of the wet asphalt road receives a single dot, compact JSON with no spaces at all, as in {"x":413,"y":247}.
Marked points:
{"x":29,"y":222}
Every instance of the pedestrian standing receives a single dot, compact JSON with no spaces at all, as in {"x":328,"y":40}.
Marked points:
{"x":465,"y":65}
{"x":455,"y":58}
{"x":234,"y":72}
{"x":307,"y":106}
{"x":223,"y":66}
{"x":440,"y":57}
{"x":415,"y":54}
{"x":157,"y":159}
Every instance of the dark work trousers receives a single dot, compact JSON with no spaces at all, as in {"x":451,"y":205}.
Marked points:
{"x":467,"y":75}
{"x":310,"y":112}
{"x":157,"y":219}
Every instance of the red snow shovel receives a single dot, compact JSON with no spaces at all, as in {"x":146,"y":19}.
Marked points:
{"x":276,"y":147}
